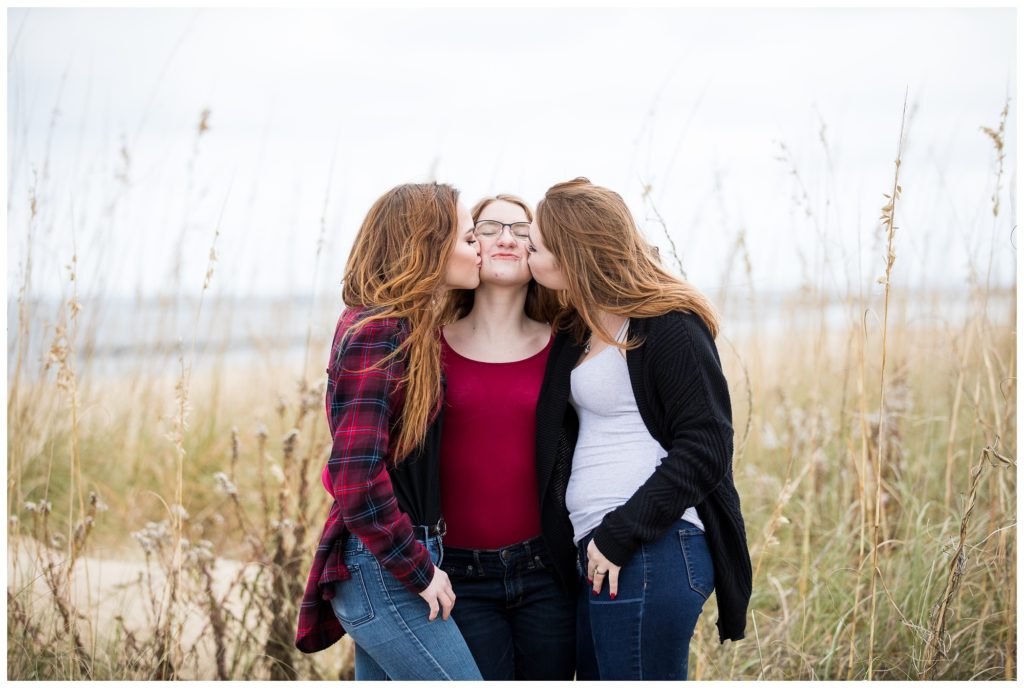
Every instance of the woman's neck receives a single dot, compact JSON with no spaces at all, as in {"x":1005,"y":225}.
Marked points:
{"x":498,"y":313}
{"x":609,"y":321}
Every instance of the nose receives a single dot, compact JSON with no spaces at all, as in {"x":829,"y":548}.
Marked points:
{"x":507,"y":239}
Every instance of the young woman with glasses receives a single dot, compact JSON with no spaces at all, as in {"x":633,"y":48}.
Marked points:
{"x":635,"y":390}
{"x":508,"y":548}
{"x":375,"y":573}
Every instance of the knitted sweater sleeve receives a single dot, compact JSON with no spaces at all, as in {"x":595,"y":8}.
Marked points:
{"x":683,"y":377}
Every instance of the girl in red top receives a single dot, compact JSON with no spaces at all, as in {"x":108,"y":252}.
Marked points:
{"x":517,"y":617}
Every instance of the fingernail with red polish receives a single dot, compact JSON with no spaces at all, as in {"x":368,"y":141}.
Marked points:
{"x":596,"y":593}
{"x":612,"y":595}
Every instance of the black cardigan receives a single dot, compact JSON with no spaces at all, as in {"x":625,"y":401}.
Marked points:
{"x":683,"y":398}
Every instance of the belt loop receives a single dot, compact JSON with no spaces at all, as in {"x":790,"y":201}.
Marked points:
{"x":531,"y":562}
{"x":479,"y":566}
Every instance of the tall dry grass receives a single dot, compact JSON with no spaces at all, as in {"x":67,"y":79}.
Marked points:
{"x":162,"y":520}
{"x":874,"y":442}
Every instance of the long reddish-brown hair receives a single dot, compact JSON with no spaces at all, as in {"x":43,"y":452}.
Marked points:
{"x":542,"y":304}
{"x":607,"y":264}
{"x":396,"y":269}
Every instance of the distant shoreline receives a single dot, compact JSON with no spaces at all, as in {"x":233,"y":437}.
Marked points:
{"x":118,"y":335}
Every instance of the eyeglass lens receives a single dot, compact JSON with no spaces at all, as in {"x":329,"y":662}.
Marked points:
{"x":490,"y":228}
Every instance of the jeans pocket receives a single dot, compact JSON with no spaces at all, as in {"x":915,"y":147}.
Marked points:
{"x":351,"y":603}
{"x":699,"y":570}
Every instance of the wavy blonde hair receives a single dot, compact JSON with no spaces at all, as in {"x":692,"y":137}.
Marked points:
{"x":606,"y":263}
{"x":396,"y":269}
{"x":542,"y":304}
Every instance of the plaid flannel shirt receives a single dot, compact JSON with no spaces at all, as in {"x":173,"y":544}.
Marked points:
{"x":363,"y":407}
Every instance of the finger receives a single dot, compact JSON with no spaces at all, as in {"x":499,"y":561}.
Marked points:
{"x":447,"y":602}
{"x":599,"y":577}
{"x":449,"y":593}
{"x":591,"y":566}
{"x":613,"y":582}
{"x":433,"y":608}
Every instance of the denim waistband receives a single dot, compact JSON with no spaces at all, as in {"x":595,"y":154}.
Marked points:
{"x":581,"y":546}
{"x":427,"y":533}
{"x":354,"y":544}
{"x":529,"y":554}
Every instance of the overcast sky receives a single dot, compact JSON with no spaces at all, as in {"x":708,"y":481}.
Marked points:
{"x":315,"y":113}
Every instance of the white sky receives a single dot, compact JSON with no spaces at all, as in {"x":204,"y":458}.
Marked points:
{"x":692,"y":101}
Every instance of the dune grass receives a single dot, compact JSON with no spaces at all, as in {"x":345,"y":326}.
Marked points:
{"x":875,"y":460}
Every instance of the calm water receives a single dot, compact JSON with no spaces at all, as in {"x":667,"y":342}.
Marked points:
{"x":127,"y":336}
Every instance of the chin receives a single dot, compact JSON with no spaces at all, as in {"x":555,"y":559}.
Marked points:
{"x":505,"y":280}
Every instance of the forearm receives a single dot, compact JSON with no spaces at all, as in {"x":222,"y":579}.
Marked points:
{"x":695,"y":465}
{"x":371,"y":513}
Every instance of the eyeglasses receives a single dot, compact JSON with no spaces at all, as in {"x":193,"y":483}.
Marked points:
{"x":493,"y":228}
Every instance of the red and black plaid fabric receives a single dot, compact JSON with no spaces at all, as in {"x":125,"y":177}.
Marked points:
{"x":363,"y":407}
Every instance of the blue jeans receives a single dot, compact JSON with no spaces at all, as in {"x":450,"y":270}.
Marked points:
{"x":393,"y":637}
{"x":645,"y":633}
{"x":518,"y":622}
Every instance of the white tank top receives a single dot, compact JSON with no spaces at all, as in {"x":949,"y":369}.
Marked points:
{"x":615,"y":454}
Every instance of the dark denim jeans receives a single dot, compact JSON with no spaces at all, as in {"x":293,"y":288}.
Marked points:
{"x":389,"y":624}
{"x":517,"y":621}
{"x":645,"y":633}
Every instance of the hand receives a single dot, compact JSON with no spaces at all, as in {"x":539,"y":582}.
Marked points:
{"x":599,"y":568}
{"x":439,"y":594}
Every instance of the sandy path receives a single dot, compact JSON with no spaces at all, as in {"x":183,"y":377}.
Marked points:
{"x":106,"y":587}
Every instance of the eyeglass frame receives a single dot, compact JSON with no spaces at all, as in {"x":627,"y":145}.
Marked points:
{"x":502,"y":230}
